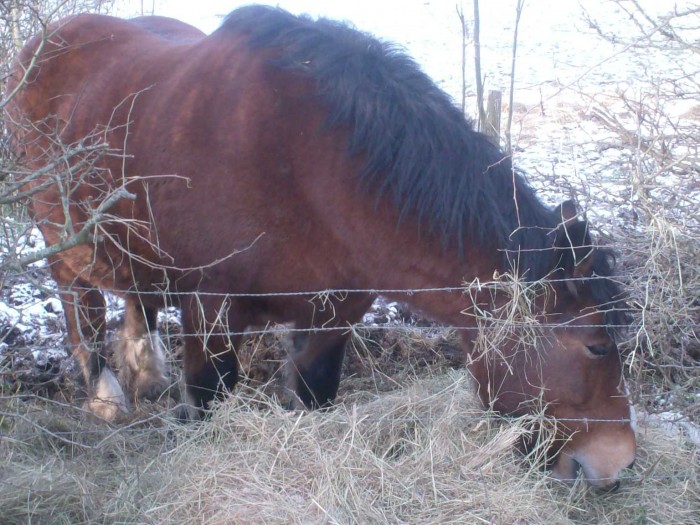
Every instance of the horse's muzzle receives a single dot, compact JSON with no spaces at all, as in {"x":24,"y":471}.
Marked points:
{"x":568,"y":468}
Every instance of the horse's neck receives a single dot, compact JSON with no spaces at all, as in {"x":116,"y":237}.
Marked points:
{"x":439,"y":283}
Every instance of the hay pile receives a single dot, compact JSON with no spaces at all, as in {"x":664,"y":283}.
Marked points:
{"x":422,"y":453}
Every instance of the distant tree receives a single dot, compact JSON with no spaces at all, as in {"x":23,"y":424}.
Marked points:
{"x":488,"y":121}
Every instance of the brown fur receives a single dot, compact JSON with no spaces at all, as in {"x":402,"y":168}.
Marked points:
{"x":240,"y":187}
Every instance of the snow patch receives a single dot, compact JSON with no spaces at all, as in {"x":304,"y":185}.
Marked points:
{"x":676,"y":426}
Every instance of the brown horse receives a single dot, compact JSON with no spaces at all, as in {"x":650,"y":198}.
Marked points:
{"x":281,"y":156}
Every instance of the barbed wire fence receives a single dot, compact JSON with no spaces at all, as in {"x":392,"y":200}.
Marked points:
{"x":323,"y":296}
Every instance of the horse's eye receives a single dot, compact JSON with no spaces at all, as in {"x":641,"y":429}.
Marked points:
{"x":600,"y":350}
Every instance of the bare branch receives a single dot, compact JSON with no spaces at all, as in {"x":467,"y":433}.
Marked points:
{"x":518,"y":13}
{"x":477,"y":67}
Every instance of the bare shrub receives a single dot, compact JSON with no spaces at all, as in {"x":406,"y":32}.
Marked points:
{"x":657,"y":126}
{"x":22,"y":19}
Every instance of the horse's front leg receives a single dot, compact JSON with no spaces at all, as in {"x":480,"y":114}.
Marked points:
{"x":139,"y":352}
{"x":212,"y":334}
{"x":314,"y":366}
{"x":315,"y":363}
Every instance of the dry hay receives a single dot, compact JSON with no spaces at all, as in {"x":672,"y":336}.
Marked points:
{"x":662,"y":253}
{"x":423,"y":452}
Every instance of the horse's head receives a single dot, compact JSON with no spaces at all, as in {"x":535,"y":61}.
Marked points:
{"x":568,"y":362}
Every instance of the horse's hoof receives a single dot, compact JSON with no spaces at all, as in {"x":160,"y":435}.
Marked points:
{"x":150,"y":390}
{"x":109,"y":401}
{"x":109,"y":410}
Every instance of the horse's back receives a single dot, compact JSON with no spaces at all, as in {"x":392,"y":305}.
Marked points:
{"x":168,"y":28}
{"x":85,"y":48}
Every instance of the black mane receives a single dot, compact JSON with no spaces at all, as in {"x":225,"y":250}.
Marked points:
{"x":420,"y":149}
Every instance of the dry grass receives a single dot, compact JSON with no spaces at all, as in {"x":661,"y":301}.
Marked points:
{"x":665,"y":287}
{"x":423,"y":452}
{"x":408,"y":443}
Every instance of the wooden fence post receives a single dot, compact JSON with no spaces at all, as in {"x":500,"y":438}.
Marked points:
{"x":492,"y":126}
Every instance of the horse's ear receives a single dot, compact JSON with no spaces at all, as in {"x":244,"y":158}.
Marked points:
{"x":583,"y":254}
{"x":566,"y":212}
{"x":574,"y":241}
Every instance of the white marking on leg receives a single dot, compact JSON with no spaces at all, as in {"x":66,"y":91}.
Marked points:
{"x":143,"y":365}
{"x":144,"y":354}
{"x":109,"y":399}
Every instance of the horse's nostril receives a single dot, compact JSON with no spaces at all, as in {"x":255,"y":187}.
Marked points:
{"x":631,"y":465}
{"x":607,"y":489}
